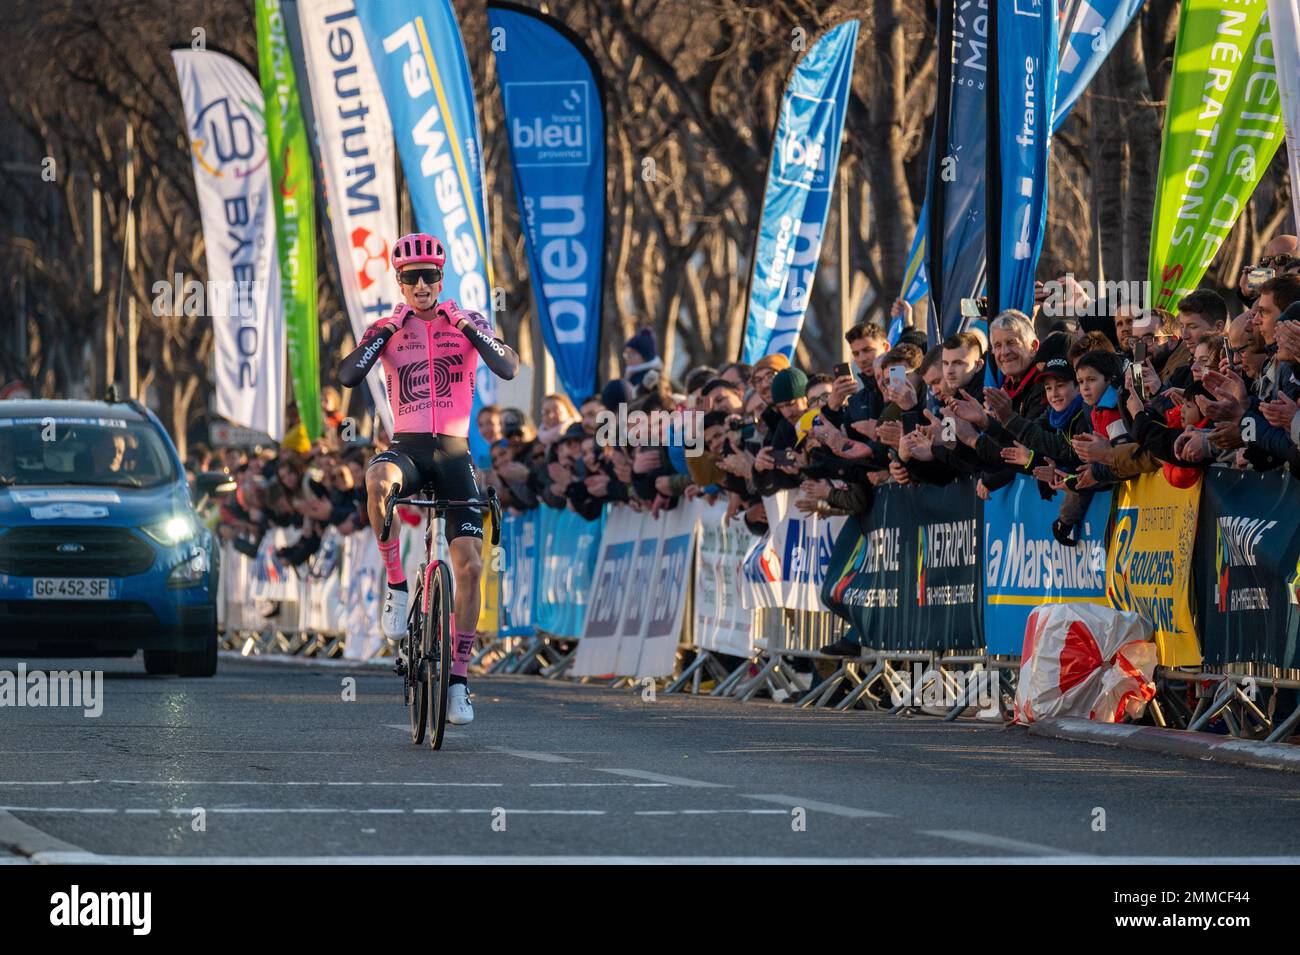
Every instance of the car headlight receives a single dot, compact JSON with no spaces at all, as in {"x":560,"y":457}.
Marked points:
{"x":171,"y":530}
{"x":190,"y":571}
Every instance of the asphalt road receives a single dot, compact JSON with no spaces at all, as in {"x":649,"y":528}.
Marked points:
{"x":283,"y":768}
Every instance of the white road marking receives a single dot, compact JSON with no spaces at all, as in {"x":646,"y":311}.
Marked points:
{"x":828,"y":807}
{"x":50,"y":782}
{"x":91,"y":858}
{"x":710,"y":812}
{"x":302,"y":782}
{"x":540,"y":757}
{"x":661,"y":778}
{"x":993,"y":842}
{"x":637,"y":785}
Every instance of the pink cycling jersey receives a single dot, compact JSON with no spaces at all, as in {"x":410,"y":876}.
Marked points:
{"x":429,"y":372}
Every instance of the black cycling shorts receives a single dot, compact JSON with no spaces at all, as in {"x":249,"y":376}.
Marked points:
{"x":444,"y":463}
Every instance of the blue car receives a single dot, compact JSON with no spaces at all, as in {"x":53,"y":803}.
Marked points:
{"x":101,"y":551}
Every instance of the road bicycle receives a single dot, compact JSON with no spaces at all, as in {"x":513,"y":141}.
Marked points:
{"x":425,"y":663}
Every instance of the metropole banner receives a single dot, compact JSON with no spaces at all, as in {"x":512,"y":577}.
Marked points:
{"x":1222,"y":126}
{"x":1284,"y":21}
{"x":232,"y":178}
{"x":1149,"y":566}
{"x":353,"y":139}
{"x":569,"y":546}
{"x":294,"y":193}
{"x":1026,"y":61}
{"x":800,"y":178}
{"x":418,"y":54}
{"x":1025,"y":566}
{"x":912,"y":582}
{"x":721,"y":623}
{"x":555,"y":112}
{"x":787,"y":566}
{"x":1248,"y":568}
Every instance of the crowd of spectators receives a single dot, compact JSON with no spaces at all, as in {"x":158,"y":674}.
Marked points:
{"x":1078,"y":401}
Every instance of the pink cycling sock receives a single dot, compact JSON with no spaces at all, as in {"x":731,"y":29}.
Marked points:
{"x":461,"y":651}
{"x":391,"y":552}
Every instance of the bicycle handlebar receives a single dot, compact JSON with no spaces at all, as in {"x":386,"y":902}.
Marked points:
{"x":442,"y":504}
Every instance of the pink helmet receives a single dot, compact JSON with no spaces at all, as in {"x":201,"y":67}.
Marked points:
{"x":416,"y":248}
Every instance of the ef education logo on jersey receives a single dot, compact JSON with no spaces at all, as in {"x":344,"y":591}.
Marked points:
{"x":76,"y":908}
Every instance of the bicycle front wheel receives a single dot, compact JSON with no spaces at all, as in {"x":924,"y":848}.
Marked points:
{"x":437,"y":644}
{"x":415,"y":685}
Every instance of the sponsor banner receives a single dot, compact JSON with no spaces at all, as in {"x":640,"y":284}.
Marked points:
{"x":271,"y":578}
{"x":293,"y":192}
{"x":518,"y":572}
{"x":1248,"y":568}
{"x":489,"y":608}
{"x":667,"y":589}
{"x":417,"y":51}
{"x":800,"y":178}
{"x":1025,"y":566}
{"x":646,"y":554}
{"x":721,"y":624}
{"x":224,"y":435}
{"x":913,"y":582}
{"x":232,"y":179}
{"x":1090,"y":29}
{"x":554,"y":110}
{"x":1150,"y":562}
{"x":915,"y":282}
{"x":955,"y":247}
{"x":1026,"y":67}
{"x":353,"y":139}
{"x":322,"y":606}
{"x":1222,"y":126}
{"x":787,"y":566}
{"x":612,"y":582}
{"x":363,"y":595}
{"x":565,"y":568}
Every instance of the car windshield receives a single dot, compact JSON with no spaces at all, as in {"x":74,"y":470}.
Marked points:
{"x":98,"y":451}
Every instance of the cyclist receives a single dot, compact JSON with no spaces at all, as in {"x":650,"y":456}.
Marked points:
{"x":428,"y":350}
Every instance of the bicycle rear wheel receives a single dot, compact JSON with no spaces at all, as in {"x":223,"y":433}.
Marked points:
{"x":437,"y":643}
{"x":414,"y":684}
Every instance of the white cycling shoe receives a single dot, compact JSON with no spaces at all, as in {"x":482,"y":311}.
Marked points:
{"x":393,"y":621}
{"x":459,"y":710}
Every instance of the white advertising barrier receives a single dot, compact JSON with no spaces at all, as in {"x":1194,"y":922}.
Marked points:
{"x":721,"y":624}
{"x":362,"y":590}
{"x":786,"y":567}
{"x":613,"y":583}
{"x":666,"y":589}
{"x":321,"y":601}
{"x":270,"y":577}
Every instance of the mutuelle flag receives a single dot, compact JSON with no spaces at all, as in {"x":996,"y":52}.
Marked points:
{"x":1222,"y":126}
{"x":294,"y":195}
{"x":232,"y":178}
{"x":1025,"y":97}
{"x":555,"y":112}
{"x":354,"y":146}
{"x":955,"y":250}
{"x":418,"y":54}
{"x":1284,"y":21}
{"x":800,"y":177}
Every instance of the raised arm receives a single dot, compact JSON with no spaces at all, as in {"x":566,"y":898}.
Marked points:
{"x":366,"y":355}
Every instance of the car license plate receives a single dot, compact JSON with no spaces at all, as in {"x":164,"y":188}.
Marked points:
{"x":70,"y":588}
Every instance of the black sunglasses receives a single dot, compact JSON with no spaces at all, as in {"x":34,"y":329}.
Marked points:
{"x":431,"y":276}
{"x":1279,"y":261}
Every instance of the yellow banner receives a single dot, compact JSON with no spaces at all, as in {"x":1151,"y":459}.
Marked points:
{"x":1150,"y":562}
{"x":491,"y":584}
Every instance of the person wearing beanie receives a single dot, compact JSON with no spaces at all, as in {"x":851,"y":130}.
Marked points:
{"x":644,"y":367}
{"x":615,"y":393}
{"x":788,"y":389}
{"x":761,"y":380}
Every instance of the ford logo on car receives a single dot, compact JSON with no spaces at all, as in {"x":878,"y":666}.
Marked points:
{"x":70,"y":548}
